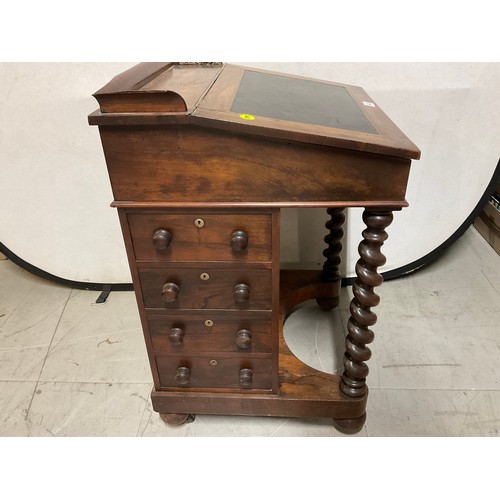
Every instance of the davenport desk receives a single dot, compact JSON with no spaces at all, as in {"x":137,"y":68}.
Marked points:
{"x":201,"y":158}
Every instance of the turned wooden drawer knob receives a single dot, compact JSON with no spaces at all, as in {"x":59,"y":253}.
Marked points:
{"x":241,"y":293}
{"x":239,"y":241}
{"x":246,"y":377}
{"x":169,"y":292}
{"x":176,"y":336}
{"x":244,"y":339}
{"x":162,"y":239}
{"x":182,"y":375}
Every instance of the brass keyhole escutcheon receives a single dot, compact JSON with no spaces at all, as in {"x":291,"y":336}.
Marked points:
{"x":204,"y":276}
{"x":199,"y":222}
{"x":209,"y":322}
{"x":213,"y":362}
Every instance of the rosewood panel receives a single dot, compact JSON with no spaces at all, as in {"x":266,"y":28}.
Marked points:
{"x":211,"y":332}
{"x":201,"y":235}
{"x":215,"y":372}
{"x":206,"y":288}
{"x":175,"y":164}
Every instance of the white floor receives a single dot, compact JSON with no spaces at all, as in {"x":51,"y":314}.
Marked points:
{"x":69,"y":367}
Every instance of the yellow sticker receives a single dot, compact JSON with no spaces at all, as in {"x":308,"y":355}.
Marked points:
{"x":244,"y":116}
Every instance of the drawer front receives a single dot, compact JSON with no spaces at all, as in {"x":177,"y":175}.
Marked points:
{"x":206,"y":288}
{"x":200,"y":236}
{"x":216,"y":372}
{"x":196,"y":333}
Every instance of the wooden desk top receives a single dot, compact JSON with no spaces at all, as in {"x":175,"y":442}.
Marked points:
{"x":251,"y":101}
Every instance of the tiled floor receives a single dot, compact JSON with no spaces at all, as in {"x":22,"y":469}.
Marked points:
{"x":70,"y":367}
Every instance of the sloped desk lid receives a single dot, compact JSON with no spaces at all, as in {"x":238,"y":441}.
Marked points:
{"x":251,"y":101}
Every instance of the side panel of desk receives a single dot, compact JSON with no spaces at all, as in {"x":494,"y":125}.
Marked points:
{"x":185,"y":163}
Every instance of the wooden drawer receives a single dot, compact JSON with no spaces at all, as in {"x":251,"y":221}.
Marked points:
{"x":196,"y":333}
{"x":195,"y":236}
{"x":206,"y":288}
{"x":214,"y":372}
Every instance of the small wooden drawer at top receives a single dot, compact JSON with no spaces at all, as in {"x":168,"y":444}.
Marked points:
{"x":216,"y":372}
{"x":194,"y":236}
{"x":206,"y":288}
{"x":219,"y":332}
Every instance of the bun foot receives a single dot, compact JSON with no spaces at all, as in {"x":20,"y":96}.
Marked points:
{"x":177,"y":418}
{"x":349,"y":425}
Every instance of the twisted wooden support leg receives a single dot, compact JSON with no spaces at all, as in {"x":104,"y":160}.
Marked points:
{"x":331,"y":268}
{"x":353,"y":382}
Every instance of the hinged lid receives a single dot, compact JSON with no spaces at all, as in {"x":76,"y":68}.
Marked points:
{"x":251,"y":101}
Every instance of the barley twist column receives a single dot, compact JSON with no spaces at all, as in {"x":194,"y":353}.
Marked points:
{"x":331,"y":268}
{"x":353,"y":382}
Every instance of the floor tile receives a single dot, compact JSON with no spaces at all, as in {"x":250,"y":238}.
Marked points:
{"x":459,"y":305}
{"x":27,"y":326}
{"x":437,"y":331}
{"x":316,"y":337}
{"x":87,"y":409}
{"x":14,"y":286}
{"x":482,"y":256}
{"x":98,"y":342}
{"x":442,"y":413}
{"x":15,"y":399}
{"x":213,"y":426}
{"x":456,"y":358}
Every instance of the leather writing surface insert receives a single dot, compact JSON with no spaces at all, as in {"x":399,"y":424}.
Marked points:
{"x":298,"y":100}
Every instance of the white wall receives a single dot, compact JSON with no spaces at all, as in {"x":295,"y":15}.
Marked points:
{"x":54,"y":188}
{"x":55,"y":194}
